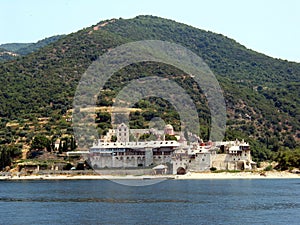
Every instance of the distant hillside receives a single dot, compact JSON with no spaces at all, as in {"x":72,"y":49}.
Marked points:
{"x":262,"y":94}
{"x":21,"y":49}
{"x":35,"y":46}
{"x":7,"y":55}
{"x":13,"y":47}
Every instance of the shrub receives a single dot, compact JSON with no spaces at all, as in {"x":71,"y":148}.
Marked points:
{"x":213,"y":169}
{"x":269,"y":168}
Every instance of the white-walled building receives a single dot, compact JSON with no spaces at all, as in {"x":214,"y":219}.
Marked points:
{"x":175,"y":155}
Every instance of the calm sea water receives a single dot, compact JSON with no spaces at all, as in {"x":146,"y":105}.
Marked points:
{"x":169,"y":202}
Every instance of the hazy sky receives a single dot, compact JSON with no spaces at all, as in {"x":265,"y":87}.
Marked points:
{"x":268,"y":26}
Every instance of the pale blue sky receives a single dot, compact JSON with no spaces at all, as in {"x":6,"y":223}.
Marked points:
{"x":267,"y":26}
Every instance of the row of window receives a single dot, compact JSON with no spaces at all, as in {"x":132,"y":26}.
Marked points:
{"x":121,"y":158}
{"x":120,"y":129}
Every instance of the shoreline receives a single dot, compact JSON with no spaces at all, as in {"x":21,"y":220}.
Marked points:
{"x":188,"y":176}
{"x":241,"y":175}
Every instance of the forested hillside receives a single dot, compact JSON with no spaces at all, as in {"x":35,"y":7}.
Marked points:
{"x":13,"y":50}
{"x":261,"y":93}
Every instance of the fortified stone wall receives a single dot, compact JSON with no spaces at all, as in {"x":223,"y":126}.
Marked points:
{"x":117,"y":161}
{"x":202,"y":162}
{"x":161,"y":159}
{"x":124,"y":161}
{"x":219,"y":162}
{"x":179,"y":162}
{"x":229,"y":161}
{"x":123,"y":172}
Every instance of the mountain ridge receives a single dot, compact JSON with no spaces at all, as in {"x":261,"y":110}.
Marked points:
{"x":22,"y":49}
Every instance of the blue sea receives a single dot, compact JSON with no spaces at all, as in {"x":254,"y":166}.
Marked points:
{"x":168,"y":202}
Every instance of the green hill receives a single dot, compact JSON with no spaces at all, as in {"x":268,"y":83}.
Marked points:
{"x":35,"y":46}
{"x":22,"y":49}
{"x":13,"y":47}
{"x":261,"y":93}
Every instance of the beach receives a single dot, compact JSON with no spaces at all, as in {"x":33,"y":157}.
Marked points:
{"x":240,"y":175}
{"x":189,"y":175}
